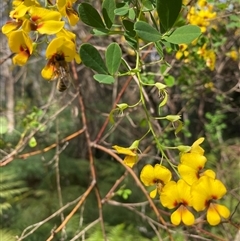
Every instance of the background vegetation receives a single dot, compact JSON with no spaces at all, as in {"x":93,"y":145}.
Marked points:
{"x":46,"y":165}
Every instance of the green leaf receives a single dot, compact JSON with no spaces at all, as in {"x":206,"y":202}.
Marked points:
{"x":131,"y":14}
{"x":100,"y":32}
{"x":3,"y":125}
{"x":184,"y":35}
{"x":159,"y":49}
{"x":168,"y":11}
{"x":169,"y":80}
{"x":147,"y":4}
{"x":129,"y":27}
{"x":108,"y":8}
{"x":90,"y":16}
{"x":130,"y":33}
{"x":92,"y":58}
{"x":146,"y":32}
{"x":113,"y":58}
{"x":123,"y":10}
{"x":104,"y":79}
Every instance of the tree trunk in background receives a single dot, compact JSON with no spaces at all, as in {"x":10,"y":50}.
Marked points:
{"x":10,"y":100}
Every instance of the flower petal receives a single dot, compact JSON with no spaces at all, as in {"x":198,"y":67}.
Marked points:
{"x":124,"y":150}
{"x":187,"y":217}
{"x":130,"y":160}
{"x":169,"y":195}
{"x":162,"y":173}
{"x":188,"y":174}
{"x":196,"y":148}
{"x":50,"y":27}
{"x":213,"y":216}
{"x":176,"y":217}
{"x":153,"y":193}
{"x":193,"y":160}
{"x":147,"y":175}
{"x":21,"y":58}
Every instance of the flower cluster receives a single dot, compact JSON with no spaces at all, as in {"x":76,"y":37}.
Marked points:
{"x":201,"y":15}
{"x":208,"y":55}
{"x":197,"y":189}
{"x":29,"y":21}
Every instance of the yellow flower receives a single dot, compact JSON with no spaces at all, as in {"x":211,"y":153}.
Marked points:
{"x":131,"y":156}
{"x":177,"y":195}
{"x":66,"y":10}
{"x":71,"y":36}
{"x":233,"y":54}
{"x":60,"y":51}
{"x":43,"y":20}
{"x":182,"y":52}
{"x":156,"y":176}
{"x":204,"y":193}
{"x":23,"y":47}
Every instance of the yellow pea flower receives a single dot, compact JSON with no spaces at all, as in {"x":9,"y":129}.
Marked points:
{"x":43,"y":20}
{"x":130,"y":153}
{"x":66,"y":10}
{"x":204,"y":193}
{"x":23,"y":47}
{"x":59,"y":49}
{"x":178,"y":195}
{"x":157,"y":176}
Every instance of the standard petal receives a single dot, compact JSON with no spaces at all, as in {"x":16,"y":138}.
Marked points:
{"x":218,"y":190}
{"x":183,"y":190}
{"x":162,"y":173}
{"x":147,"y":175}
{"x":169,"y":196}
{"x":188,"y":174}
{"x":193,"y":160}
{"x":50,"y":27}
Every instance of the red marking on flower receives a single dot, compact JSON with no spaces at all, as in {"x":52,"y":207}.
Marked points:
{"x":207,"y":203}
{"x":35,"y":18}
{"x":175,"y":203}
{"x":185,"y":203}
{"x":214,"y":197}
{"x":40,"y":25}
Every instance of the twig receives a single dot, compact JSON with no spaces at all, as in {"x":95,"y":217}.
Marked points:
{"x":85,"y":229}
{"x":35,"y":226}
{"x":63,"y":224}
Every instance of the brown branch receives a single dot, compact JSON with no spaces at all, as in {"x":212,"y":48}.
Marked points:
{"x":91,"y":162}
{"x":83,"y":198}
{"x":46,"y":149}
{"x":100,"y":133}
{"x":139,"y":184}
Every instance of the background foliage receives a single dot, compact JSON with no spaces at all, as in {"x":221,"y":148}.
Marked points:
{"x":51,"y":168}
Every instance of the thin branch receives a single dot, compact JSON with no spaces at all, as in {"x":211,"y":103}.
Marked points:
{"x":85,"y":229}
{"x":83,"y":198}
{"x":35,"y":226}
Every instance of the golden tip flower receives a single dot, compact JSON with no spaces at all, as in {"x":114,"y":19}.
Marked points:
{"x":131,"y":156}
{"x":157,"y":175}
{"x":206,"y":190}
